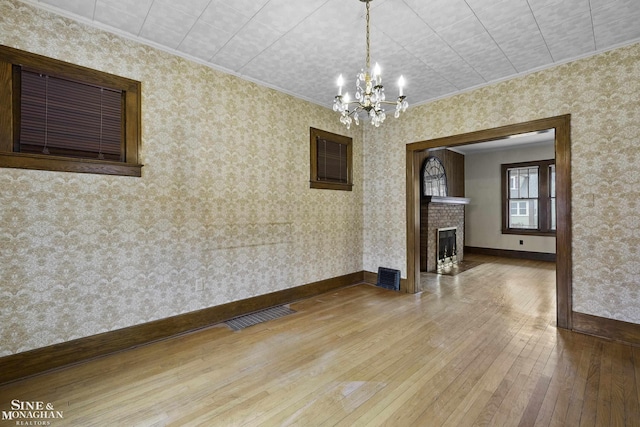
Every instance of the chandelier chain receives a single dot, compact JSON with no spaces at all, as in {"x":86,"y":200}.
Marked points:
{"x":368,"y":38}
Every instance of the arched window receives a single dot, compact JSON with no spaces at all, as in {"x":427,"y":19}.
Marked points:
{"x":434,"y":178}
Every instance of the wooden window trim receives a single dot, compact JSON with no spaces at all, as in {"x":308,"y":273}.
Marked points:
{"x":9,"y":120}
{"x":544,"y":219}
{"x":314,"y":181}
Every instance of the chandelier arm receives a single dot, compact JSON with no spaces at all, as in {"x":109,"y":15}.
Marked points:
{"x":400,"y":98}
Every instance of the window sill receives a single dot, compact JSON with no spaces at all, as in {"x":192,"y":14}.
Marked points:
{"x":330,"y":185}
{"x":529,"y":232}
{"x":65,"y":164}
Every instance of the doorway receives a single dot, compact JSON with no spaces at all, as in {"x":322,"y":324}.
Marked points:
{"x":562,"y":126}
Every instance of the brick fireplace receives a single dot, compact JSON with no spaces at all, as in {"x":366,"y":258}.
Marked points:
{"x":437,"y":213}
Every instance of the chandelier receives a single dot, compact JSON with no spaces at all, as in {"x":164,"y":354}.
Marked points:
{"x":369,"y":93}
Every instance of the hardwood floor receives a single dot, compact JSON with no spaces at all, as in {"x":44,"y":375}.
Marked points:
{"x":478,"y":348}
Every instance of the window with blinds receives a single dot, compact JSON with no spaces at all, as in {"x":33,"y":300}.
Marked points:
{"x":64,"y":117}
{"x":330,"y":161}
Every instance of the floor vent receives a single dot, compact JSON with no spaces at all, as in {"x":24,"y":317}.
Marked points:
{"x":241,"y":322}
{"x":388,"y":278}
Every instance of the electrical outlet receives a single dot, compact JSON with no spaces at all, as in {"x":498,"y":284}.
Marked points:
{"x":522,"y":242}
{"x":199,"y":285}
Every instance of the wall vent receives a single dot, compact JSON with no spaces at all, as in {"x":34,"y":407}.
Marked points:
{"x":388,"y":278}
{"x":241,"y":322}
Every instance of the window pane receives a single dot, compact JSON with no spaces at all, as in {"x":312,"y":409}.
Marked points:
{"x":522,"y":209}
{"x":552,"y":180}
{"x":533,"y":182}
{"x":513,"y":183}
{"x":523,"y":214}
{"x":553,"y":213}
{"x":523,"y":182}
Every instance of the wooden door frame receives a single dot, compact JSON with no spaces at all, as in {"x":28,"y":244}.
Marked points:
{"x":562,"y":126}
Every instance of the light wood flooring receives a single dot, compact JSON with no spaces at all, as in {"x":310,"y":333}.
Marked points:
{"x":478,"y":348}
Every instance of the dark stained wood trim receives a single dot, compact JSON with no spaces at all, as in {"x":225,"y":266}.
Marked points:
{"x":544,"y":208}
{"x":564,"y":292}
{"x":313,"y":151}
{"x":506,"y":253}
{"x":562,"y":126}
{"x":6,"y":106}
{"x":9,"y":121}
{"x":611,"y":329}
{"x":68,"y":164}
{"x":413,"y":221}
{"x":37,"y":361}
{"x":370,"y":277}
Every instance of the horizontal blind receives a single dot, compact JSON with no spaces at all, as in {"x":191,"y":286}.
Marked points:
{"x":332,"y":161}
{"x":67,"y":118}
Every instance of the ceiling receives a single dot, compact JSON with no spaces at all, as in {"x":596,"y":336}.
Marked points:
{"x":301,"y":46}
{"x":540,"y":138}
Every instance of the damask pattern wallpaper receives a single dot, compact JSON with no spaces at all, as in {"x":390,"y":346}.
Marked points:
{"x":602,"y":94}
{"x":224,"y":200}
{"x":224,"y":197}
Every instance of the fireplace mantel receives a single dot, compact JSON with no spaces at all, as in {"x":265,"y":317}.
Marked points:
{"x":446,"y":200}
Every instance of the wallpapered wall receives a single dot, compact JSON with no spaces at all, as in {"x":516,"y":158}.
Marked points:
{"x":602,"y":94}
{"x":224,"y":197}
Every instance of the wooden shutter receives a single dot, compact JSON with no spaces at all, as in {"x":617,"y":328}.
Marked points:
{"x":332,"y":161}
{"x":67,"y":118}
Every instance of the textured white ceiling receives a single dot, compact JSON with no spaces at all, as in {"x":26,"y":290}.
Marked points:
{"x":300,"y":46}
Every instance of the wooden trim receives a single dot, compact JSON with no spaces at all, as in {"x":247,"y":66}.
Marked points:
{"x":544,"y":208}
{"x":6,"y":106}
{"x":616,"y":330}
{"x":132,"y":121}
{"x":324,"y":185}
{"x":413,"y":221}
{"x":68,"y":164}
{"x":37,"y":361}
{"x":564,"y":292}
{"x":313,"y":151}
{"x":370,"y":277}
{"x":562,"y":126}
{"x":507,"y":253}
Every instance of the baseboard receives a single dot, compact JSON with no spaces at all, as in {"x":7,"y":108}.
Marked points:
{"x":507,"y":253}
{"x":611,"y":329}
{"x":37,"y":361}
{"x":370,"y":278}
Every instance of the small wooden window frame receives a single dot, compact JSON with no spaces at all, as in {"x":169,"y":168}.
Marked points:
{"x":544,"y":210}
{"x":315,"y":182}
{"x":10,"y":116}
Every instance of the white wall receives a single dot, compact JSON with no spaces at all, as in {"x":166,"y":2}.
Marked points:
{"x":483,"y":220}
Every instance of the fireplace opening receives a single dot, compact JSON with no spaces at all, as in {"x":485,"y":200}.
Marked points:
{"x":446,"y":249}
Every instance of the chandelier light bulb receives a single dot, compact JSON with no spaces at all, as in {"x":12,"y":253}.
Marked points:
{"x":340,"y":84}
{"x":346,"y":99}
{"x":376,"y":70}
{"x":401,"y":84}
